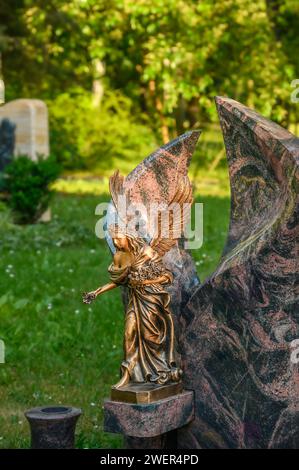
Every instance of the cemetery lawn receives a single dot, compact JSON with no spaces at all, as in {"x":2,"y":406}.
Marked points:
{"x":59,"y":351}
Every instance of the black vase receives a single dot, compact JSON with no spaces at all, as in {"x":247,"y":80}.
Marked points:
{"x":53,"y":427}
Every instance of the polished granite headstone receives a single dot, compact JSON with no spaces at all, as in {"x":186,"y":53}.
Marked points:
{"x":237,"y":331}
{"x":239,"y":326}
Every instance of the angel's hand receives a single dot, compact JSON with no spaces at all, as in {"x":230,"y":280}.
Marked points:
{"x":89,"y":297}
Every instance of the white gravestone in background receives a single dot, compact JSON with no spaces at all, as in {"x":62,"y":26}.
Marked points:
{"x":32,"y":129}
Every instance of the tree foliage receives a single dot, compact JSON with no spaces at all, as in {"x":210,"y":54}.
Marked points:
{"x":83,"y":135}
{"x":27,"y":185}
{"x":169,"y":57}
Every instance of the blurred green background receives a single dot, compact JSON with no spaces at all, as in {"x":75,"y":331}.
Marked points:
{"x":120,"y":78}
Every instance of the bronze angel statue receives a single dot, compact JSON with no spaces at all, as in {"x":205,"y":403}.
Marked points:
{"x":149,"y":352}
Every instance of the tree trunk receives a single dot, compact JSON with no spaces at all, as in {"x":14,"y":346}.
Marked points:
{"x":97,"y":84}
{"x":180,"y":115}
{"x":159,"y":108}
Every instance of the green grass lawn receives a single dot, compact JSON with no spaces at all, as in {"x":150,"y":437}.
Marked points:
{"x":59,"y":351}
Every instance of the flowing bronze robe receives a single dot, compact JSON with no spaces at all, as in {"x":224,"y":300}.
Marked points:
{"x":149,"y":331}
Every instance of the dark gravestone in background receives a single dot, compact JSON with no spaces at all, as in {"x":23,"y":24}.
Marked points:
{"x":7,"y":142}
{"x":237,"y":328}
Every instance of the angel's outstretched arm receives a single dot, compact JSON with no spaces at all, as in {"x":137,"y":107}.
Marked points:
{"x":88,"y":297}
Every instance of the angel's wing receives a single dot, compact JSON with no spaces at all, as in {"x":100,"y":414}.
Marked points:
{"x":175,"y":216}
{"x":116,"y":186}
{"x":158,"y":179}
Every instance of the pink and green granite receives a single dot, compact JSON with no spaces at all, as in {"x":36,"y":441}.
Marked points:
{"x":151,"y":421}
{"x":239,"y":324}
{"x":235,"y":331}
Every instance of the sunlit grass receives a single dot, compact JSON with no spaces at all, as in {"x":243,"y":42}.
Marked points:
{"x":206,"y":183}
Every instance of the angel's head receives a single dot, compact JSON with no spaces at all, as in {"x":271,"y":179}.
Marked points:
{"x":121,"y":242}
{"x":125,"y":241}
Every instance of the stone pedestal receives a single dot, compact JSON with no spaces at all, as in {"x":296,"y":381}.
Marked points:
{"x":150,"y":426}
